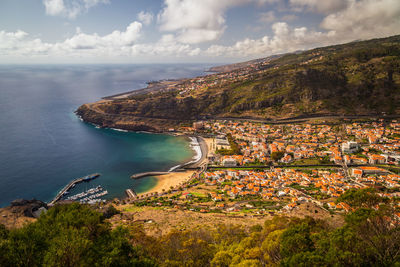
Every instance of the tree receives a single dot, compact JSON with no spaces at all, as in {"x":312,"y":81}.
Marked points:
{"x":277,"y":155}
{"x":69,"y":235}
{"x":222,"y":258}
{"x":361,"y":198}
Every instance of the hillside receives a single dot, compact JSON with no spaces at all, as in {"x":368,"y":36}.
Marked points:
{"x":81,"y":235}
{"x":240,"y":65}
{"x":358,"y":78}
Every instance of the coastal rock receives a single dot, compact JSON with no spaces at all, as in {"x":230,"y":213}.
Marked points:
{"x":91,"y":113}
{"x":29,"y":208}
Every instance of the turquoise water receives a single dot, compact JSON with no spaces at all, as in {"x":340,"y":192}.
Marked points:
{"x":43,"y":145}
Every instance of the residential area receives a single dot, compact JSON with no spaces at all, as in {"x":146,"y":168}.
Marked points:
{"x":262,"y":169}
{"x":284,"y":166}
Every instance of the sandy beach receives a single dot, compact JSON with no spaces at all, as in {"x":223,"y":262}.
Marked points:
{"x":173,"y":179}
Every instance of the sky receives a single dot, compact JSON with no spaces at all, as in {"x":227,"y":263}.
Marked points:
{"x":183,"y":31}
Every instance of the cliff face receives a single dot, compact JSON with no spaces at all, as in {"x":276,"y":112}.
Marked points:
{"x":360,"y":78}
{"x":123,"y":121}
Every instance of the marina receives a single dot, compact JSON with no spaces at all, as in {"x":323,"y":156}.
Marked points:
{"x":71,"y":184}
{"x":86,"y":193}
{"x":95,"y":198}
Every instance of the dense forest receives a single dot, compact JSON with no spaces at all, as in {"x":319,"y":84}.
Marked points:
{"x":78,"y":235}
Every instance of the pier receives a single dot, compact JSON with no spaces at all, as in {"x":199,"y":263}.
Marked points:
{"x":71,"y":184}
{"x":131,"y":193}
{"x":144,"y":174}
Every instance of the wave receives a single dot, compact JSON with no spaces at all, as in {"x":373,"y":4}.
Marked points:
{"x":174,"y":168}
{"x":119,"y":130}
{"x":195,"y":146}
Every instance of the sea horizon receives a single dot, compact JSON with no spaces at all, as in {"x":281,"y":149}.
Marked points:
{"x":44,"y":144}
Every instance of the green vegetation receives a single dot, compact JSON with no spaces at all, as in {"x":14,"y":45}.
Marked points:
{"x":69,"y":235}
{"x":76,"y":235}
{"x":234,"y":150}
{"x":361,"y":198}
{"x":311,"y":161}
{"x":277,"y":155}
{"x":361,"y":155}
{"x":395,"y":170}
{"x":354,"y":78}
{"x":373,"y":150}
{"x":225,"y":152}
{"x":234,"y":146}
{"x":366,"y":239}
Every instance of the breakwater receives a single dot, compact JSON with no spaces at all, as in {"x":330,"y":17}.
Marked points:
{"x":72,"y":184}
{"x":144,"y":174}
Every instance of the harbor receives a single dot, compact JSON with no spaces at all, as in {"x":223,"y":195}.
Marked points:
{"x":89,"y":196}
{"x":93,"y":195}
{"x":70,"y":185}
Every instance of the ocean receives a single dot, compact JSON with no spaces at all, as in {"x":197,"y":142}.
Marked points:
{"x":43,"y":145}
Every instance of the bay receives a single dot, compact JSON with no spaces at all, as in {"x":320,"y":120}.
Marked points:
{"x":43,"y":145}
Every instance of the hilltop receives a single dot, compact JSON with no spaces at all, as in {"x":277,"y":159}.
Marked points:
{"x":358,"y":78}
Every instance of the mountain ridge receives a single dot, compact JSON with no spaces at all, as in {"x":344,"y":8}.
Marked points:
{"x":357,"y":78}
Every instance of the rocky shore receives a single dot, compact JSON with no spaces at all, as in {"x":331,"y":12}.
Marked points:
{"x":89,"y":114}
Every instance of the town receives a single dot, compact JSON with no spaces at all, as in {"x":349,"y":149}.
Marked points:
{"x":262,"y":168}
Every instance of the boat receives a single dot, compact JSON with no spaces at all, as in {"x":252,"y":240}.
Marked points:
{"x":90,"y":177}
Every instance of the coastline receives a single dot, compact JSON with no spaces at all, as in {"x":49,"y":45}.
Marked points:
{"x":172,"y":178}
{"x":168,"y":181}
{"x":197,"y":144}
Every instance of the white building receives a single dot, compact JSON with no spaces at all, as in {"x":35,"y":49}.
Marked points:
{"x":222,"y":143}
{"x":229,"y":162}
{"x":350,"y":147}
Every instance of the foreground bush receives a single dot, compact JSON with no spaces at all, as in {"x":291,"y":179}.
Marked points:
{"x":76,"y":235}
{"x":69,"y":235}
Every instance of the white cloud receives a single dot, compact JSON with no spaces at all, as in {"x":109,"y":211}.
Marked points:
{"x":18,"y":44}
{"x":289,"y":17}
{"x":263,"y":2}
{"x":145,"y":17}
{"x":194,"y":36}
{"x":320,"y":6}
{"x":166,"y":46}
{"x":196,"y":21}
{"x":361,"y":19}
{"x":365,"y":19}
{"x":82,"y":46}
{"x":267,"y":17}
{"x":113,"y":40}
{"x":70,"y":8}
{"x":185,"y":23}
{"x":284,"y":39}
{"x":54,"y":7}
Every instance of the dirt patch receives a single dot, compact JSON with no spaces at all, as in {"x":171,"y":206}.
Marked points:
{"x":158,"y":221}
{"x":12,"y":218}
{"x":314,"y":211}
